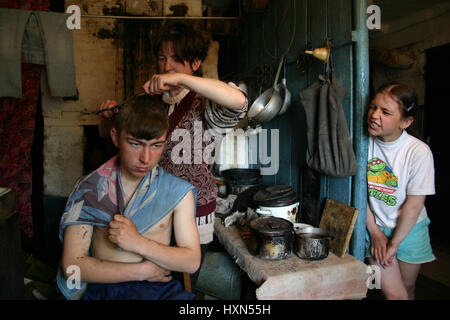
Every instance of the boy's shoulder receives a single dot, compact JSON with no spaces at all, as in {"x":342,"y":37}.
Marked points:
{"x":172,"y":183}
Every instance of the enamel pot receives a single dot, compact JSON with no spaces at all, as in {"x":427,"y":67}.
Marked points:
{"x":278,"y":201}
{"x":288,"y":212}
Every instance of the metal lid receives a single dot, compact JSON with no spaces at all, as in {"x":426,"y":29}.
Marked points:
{"x":276,"y":196}
{"x":241,"y":176}
{"x":271,"y":225}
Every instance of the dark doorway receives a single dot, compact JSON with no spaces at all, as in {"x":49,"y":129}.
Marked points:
{"x":437,"y":115}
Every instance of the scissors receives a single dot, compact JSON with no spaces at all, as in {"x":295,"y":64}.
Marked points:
{"x":120,"y":105}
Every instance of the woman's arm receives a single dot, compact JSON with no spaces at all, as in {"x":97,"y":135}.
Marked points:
{"x":77,"y":240}
{"x":217,"y":91}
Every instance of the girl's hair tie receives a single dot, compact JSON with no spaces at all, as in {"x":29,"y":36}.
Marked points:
{"x":412,"y":106}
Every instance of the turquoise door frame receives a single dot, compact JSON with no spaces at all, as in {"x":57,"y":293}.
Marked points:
{"x":360,"y":141}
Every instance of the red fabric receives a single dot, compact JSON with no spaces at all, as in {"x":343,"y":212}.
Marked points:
{"x":36,"y":5}
{"x":197,"y":174}
{"x":17,"y":119}
{"x":180,"y":111}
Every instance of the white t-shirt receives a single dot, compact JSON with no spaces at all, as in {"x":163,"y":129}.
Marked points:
{"x":394,"y":170}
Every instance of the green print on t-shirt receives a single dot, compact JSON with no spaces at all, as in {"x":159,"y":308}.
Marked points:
{"x":378,"y":172}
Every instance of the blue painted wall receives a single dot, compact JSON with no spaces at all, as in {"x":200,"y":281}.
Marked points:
{"x":268,"y":35}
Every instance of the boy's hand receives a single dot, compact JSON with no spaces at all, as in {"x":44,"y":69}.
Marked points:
{"x":155,"y":273}
{"x":124,"y":234}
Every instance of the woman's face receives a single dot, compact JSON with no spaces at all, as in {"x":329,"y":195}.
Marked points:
{"x":167,"y":62}
{"x":384,"y":118}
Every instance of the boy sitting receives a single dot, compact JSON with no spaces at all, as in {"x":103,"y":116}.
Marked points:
{"x":118,"y":220}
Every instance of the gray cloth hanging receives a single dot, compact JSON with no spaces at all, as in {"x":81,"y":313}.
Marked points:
{"x":43,"y":38}
{"x":329,"y":149}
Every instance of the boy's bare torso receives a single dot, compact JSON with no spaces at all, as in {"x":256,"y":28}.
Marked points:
{"x":103,"y":248}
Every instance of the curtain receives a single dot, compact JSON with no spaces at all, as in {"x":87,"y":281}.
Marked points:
{"x":17,"y":122}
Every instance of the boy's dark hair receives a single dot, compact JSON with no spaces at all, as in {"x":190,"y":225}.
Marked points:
{"x":144,"y":117}
{"x":188,"y":43}
{"x":404,"y":95}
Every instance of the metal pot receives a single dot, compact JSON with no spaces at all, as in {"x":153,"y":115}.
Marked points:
{"x":240,"y":179}
{"x":312,"y":243}
{"x":272,"y":238}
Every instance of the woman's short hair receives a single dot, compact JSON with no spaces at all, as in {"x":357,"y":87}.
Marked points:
{"x":188,"y":43}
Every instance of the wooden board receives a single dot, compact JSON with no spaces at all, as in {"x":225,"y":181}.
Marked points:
{"x":338,"y":220}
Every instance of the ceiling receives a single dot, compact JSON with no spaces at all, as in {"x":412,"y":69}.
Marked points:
{"x":392,"y":10}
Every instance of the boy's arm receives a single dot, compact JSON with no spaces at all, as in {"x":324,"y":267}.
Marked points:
{"x":185,"y":257}
{"x":77,"y":240}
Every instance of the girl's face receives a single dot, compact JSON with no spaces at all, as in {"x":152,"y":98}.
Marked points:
{"x":167,"y":62}
{"x":385,"y":119}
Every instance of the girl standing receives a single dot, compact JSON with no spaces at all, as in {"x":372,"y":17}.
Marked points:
{"x":400,"y":173}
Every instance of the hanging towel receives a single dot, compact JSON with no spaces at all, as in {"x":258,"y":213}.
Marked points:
{"x":58,"y":44}
{"x":43,"y":38}
{"x":12,"y":27}
{"x":329,"y":149}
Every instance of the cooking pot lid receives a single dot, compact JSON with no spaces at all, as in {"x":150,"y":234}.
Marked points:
{"x":271,"y":225}
{"x":279,"y":195}
{"x":241,"y":176}
{"x":241,"y":173}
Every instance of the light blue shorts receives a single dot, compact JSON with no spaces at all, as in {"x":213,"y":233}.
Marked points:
{"x":415,"y":248}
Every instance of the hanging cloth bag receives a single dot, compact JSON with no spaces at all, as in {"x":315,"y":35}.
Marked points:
{"x":329,"y":148}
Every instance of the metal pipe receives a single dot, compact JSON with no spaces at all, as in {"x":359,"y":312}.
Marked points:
{"x":360,"y":133}
{"x":157,"y":18}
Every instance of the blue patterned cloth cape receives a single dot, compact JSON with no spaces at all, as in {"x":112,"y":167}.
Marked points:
{"x":97,"y":197}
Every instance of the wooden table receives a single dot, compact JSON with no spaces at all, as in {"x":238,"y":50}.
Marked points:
{"x":293,"y":278}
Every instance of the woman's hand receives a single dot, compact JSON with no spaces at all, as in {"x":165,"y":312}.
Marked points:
{"x":123,"y":232}
{"x":107,"y":104}
{"x":159,"y":83}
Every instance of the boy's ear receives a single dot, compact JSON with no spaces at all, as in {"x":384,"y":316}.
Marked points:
{"x":405,"y":123}
{"x":196,"y":64}
{"x":114,"y":136}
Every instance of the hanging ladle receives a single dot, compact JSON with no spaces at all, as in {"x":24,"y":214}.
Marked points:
{"x":285,"y":93}
{"x":269,"y":104}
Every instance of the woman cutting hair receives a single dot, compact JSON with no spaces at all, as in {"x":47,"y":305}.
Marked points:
{"x":193,"y":103}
